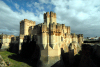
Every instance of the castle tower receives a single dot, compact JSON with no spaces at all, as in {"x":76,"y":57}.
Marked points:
{"x":50,"y":50}
{"x":58,"y":34}
{"x":68,"y":29}
{"x":52,"y":17}
{"x":52,"y":30}
{"x":6,"y":40}
{"x":44,"y":36}
{"x":80,"y":39}
{"x":25,"y":29}
{"x":49,"y":18}
{"x":74,"y":37}
{"x":25,"y":26}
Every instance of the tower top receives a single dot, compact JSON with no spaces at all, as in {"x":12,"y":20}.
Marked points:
{"x":50,"y":18}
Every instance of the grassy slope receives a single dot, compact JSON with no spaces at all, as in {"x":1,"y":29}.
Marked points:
{"x":14,"y":63}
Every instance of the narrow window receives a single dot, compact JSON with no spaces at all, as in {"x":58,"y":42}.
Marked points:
{"x":61,"y":38}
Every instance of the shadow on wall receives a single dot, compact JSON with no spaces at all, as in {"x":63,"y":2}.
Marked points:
{"x":13,"y":47}
{"x":68,"y":59}
{"x":0,"y":45}
{"x":78,"y":60}
{"x":30,"y":52}
{"x":89,"y":56}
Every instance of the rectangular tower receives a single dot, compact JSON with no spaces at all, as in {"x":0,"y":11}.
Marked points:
{"x":25,"y":26}
{"x":49,"y":18}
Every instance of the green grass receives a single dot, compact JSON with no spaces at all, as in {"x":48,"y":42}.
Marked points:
{"x":78,"y":54}
{"x":13,"y":62}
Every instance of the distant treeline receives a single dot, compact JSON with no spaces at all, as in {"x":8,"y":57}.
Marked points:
{"x":91,"y":41}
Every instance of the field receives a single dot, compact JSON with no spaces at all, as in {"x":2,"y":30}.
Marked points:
{"x":14,"y":60}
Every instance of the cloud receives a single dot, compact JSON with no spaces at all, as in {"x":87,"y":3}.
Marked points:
{"x":9,"y":19}
{"x":38,"y":6}
{"x":29,"y":5}
{"x":9,"y":0}
{"x":35,"y":5}
{"x":44,"y":1}
{"x":81,"y":15}
{"x":17,"y":6}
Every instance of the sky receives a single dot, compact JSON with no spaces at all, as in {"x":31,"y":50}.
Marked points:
{"x":83,"y":16}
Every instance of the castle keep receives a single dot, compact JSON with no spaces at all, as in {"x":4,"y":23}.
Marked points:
{"x":50,"y":36}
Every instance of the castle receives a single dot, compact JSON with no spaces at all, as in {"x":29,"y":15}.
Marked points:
{"x":50,"y":36}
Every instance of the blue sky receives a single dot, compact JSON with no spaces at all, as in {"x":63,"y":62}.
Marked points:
{"x":81,"y":15}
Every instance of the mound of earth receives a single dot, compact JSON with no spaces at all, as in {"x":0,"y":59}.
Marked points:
{"x":2,"y":63}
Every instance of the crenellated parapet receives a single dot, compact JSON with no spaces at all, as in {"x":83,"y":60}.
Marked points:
{"x":29,"y":22}
{"x":52,"y":17}
{"x":15,"y":39}
{"x":74,"y":37}
{"x":80,"y":35}
{"x":58,"y":30}
{"x":44,"y":28}
{"x":52,"y":28}
{"x":11,"y":36}
{"x":4,"y":36}
{"x":68,"y":29}
{"x":49,"y":18}
{"x":7,"y":39}
{"x":21,"y":36}
{"x":63,"y":26}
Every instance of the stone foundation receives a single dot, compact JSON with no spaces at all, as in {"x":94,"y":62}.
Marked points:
{"x":48,"y":61}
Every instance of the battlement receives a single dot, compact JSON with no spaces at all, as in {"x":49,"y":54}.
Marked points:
{"x":63,"y":26}
{"x":52,"y":27}
{"x":4,"y":36}
{"x":47,"y":14}
{"x":12,"y":35}
{"x":49,"y":18}
{"x":21,"y":36}
{"x":80,"y":35}
{"x":25,"y":19}
{"x":74,"y":35}
{"x":52,"y":14}
{"x":28,"y":21}
{"x":25,"y":26}
{"x":44,"y":27}
{"x":68,"y":29}
{"x":58,"y":28}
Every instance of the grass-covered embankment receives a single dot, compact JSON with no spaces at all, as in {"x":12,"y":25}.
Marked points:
{"x":15,"y":61}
